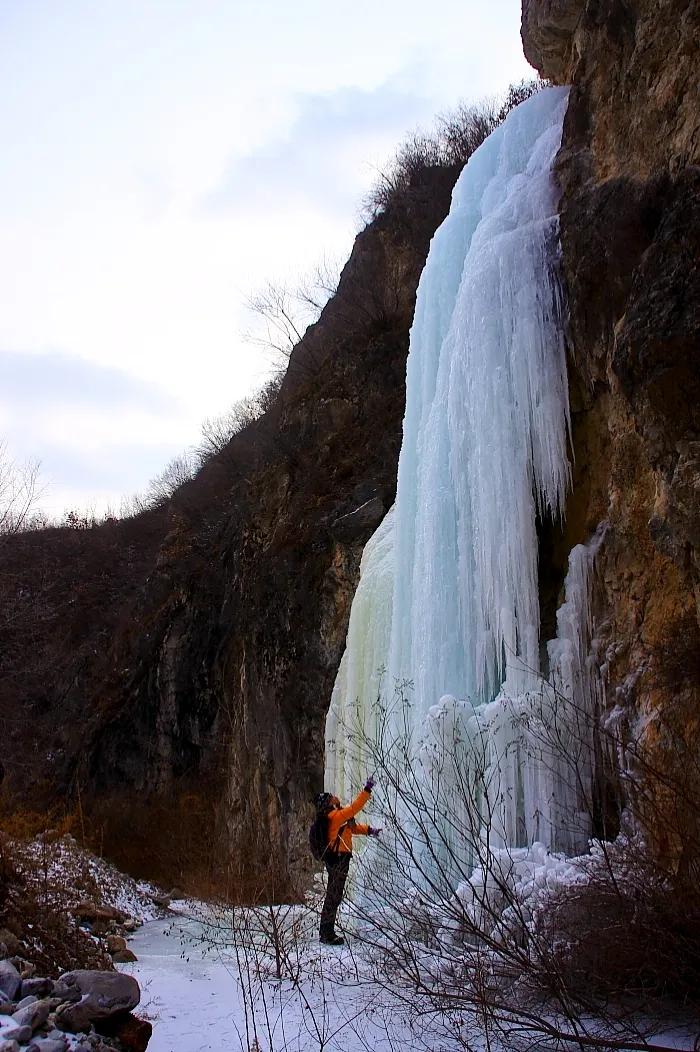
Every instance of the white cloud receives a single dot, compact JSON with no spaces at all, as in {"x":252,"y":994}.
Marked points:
{"x":120,"y":120}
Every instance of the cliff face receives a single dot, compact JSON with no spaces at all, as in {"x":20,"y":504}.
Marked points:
{"x":630,"y":231}
{"x":175,"y":686}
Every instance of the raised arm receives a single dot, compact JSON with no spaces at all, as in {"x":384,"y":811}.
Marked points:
{"x":344,"y":813}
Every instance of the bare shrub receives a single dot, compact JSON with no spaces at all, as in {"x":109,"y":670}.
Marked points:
{"x":218,"y":431}
{"x":520,"y":943}
{"x":451,"y":143}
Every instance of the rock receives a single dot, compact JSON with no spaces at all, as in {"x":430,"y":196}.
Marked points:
{"x":75,"y":1018}
{"x":4,"y":952}
{"x":161,"y":900}
{"x":130,"y":924}
{"x":22,"y":1034}
{"x":115,"y":944}
{"x":28,"y":1000}
{"x":132,"y":1033}
{"x":65,"y":992}
{"x":547,"y":31}
{"x":10,"y":979}
{"x":6,"y":1007}
{"x":91,"y":912}
{"x":37,"y":987}
{"x":176,"y":893}
{"x":125,"y":956}
{"x":359,"y":523}
{"x":8,"y":1046}
{"x":49,"y":1044}
{"x":103,"y":994}
{"x":11,"y":941}
{"x":32,"y":1015}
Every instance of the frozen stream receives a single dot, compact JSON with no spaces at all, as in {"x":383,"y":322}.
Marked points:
{"x":193,"y":993}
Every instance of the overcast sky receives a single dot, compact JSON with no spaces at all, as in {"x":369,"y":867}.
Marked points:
{"x":163,"y":159}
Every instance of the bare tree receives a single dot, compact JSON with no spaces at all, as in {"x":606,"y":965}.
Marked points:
{"x":20,"y":492}
{"x":284,"y":313}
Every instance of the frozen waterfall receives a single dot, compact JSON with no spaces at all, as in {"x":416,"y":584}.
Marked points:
{"x":448,"y":597}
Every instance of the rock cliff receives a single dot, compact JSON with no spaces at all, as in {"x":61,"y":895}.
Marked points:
{"x":630,"y":231}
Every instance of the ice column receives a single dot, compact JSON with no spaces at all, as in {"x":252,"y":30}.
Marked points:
{"x":448,"y":597}
{"x":485,"y":432}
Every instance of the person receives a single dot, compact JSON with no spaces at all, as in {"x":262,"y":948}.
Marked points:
{"x":341,"y":829}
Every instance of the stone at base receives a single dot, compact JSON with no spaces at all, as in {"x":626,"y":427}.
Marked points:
{"x":132,"y":1033}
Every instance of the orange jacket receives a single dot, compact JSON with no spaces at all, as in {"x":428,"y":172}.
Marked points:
{"x":342,"y":824}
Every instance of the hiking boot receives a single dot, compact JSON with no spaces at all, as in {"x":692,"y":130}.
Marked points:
{"x":331,"y":938}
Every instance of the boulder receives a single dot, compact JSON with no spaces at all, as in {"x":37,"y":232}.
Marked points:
{"x":102,"y":995}
{"x":91,"y":912}
{"x":115,"y":944}
{"x":37,"y":987}
{"x":132,"y":1033}
{"x":125,"y":956}
{"x":32,"y":1015}
{"x":75,"y":1018}
{"x":130,"y":924}
{"x":65,"y":992}
{"x":21,"y":1034}
{"x":161,"y":900}
{"x":29,"y":999}
{"x":10,"y":979}
{"x":8,"y":1046}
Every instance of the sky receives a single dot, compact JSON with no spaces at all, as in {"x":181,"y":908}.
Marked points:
{"x":162,"y":160}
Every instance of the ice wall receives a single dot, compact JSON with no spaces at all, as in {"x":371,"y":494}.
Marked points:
{"x":485,"y":431}
{"x":484,"y":452}
{"x":355,"y":702}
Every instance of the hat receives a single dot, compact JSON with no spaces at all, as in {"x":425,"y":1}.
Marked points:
{"x":324,"y":801}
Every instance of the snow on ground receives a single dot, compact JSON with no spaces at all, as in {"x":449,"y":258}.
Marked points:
{"x":203,"y":996}
{"x":72,"y":873}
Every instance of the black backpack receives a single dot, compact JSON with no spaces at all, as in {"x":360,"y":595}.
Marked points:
{"x":318,"y":832}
